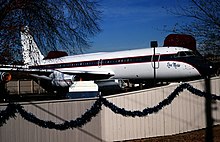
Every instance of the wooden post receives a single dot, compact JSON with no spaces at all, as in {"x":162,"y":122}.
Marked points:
{"x":19,"y":87}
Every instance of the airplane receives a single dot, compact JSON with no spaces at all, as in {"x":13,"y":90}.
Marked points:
{"x":58,"y":70}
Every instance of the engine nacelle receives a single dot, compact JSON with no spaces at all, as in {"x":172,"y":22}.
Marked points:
{"x":5,"y":77}
{"x":60,"y":79}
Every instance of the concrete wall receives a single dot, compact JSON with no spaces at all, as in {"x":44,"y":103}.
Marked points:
{"x":20,"y":130}
{"x":186,"y":113}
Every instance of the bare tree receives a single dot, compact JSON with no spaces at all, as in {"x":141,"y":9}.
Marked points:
{"x":56,"y":24}
{"x":205,"y":25}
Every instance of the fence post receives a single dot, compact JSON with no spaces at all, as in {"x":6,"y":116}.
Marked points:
{"x":19,"y":87}
{"x":208,"y":111}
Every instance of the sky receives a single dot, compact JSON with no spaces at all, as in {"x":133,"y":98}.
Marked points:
{"x":132,"y":24}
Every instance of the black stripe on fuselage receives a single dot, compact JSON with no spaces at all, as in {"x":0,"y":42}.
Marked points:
{"x":102,"y":62}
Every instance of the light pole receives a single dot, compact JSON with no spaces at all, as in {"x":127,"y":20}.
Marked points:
{"x":153,"y":45}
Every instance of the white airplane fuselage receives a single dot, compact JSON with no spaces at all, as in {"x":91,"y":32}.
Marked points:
{"x":167,"y":63}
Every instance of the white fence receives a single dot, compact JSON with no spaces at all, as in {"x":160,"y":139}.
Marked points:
{"x":23,"y":87}
{"x":185,"y":113}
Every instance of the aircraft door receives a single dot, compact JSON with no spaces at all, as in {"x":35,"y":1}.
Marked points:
{"x":100,"y":63}
{"x":155,"y":61}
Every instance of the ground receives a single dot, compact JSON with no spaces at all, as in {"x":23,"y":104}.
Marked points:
{"x":195,"y":136}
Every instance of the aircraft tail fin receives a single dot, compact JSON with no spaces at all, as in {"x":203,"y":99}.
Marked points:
{"x":30,"y":51}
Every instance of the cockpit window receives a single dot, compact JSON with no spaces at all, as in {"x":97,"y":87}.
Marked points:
{"x":189,"y":53}
{"x":185,"y":54}
{"x":181,"y":54}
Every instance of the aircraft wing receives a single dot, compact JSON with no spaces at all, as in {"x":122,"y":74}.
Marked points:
{"x":24,"y":69}
{"x":87,"y":74}
{"x":94,"y":72}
